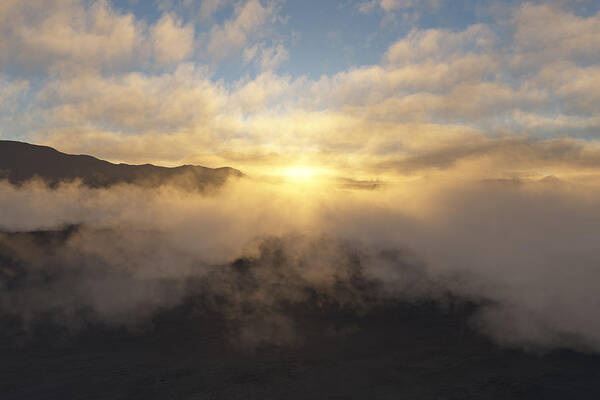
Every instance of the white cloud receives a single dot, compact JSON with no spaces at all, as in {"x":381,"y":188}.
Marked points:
{"x":268,"y":58}
{"x":389,"y":6}
{"x":272,"y":57}
{"x":236,"y":32}
{"x":70,"y":35}
{"x":261,"y":93}
{"x":545,"y":33}
{"x":9,"y":92}
{"x":172,"y":41}
{"x":250,"y":53}
{"x":440,"y":45}
{"x":209,"y":7}
{"x":133,"y":102}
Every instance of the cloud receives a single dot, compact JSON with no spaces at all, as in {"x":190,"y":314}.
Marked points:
{"x":70,"y":35}
{"x":267,"y":58}
{"x":394,"y":5}
{"x":209,"y":7}
{"x":440,"y":45}
{"x":202,"y":11}
{"x":233,"y":35}
{"x":133,"y":102}
{"x":509,"y":156}
{"x":10,"y":90}
{"x":172,"y":41}
{"x":545,"y":33}
{"x":574,"y":87}
{"x":508,"y":246}
{"x":261,"y":92}
{"x":272,"y":57}
{"x":13,"y":93}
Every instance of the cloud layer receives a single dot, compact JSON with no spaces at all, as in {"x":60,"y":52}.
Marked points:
{"x":527,"y":249}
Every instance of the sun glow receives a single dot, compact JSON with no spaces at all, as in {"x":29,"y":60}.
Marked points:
{"x":301,"y":173}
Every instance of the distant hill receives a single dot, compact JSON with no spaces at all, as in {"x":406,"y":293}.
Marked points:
{"x":21,"y":162}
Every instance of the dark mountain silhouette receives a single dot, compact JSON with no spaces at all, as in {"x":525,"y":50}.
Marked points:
{"x":21,"y":162}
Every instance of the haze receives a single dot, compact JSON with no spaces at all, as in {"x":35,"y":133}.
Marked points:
{"x":445,"y":150}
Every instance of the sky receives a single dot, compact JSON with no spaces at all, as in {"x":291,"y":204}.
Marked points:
{"x":366,"y":89}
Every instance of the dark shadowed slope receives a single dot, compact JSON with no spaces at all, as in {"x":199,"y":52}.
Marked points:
{"x":345,"y":344}
{"x":20,"y":162}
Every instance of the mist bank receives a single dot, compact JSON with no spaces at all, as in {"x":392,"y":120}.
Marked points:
{"x":525,"y":251}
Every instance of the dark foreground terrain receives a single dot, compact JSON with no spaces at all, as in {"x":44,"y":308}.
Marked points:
{"x":193,"y":350}
{"x":412,"y":353}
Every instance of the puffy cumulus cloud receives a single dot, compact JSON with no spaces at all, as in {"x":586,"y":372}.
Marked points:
{"x":558,"y":125}
{"x":395,"y":5}
{"x":165,"y":117}
{"x":424,"y":63}
{"x":440,"y":45}
{"x":481,"y":103}
{"x":546,"y":33}
{"x":172,"y":41}
{"x":371,"y":85}
{"x":575,"y":87}
{"x":262,"y":92}
{"x":508,"y":246}
{"x":204,"y":9}
{"x":272,"y":57}
{"x":268,"y":58}
{"x":134,"y":102}
{"x":209,"y":7}
{"x":471,"y":77}
{"x":13,"y":93}
{"x":235,"y":33}
{"x":71,"y":35}
{"x":10,"y":90}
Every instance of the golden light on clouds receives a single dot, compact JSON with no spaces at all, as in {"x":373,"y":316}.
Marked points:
{"x":302,"y":173}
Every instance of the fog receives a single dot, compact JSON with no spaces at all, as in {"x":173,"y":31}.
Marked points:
{"x":525,"y":251}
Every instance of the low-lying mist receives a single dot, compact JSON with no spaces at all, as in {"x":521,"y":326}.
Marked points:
{"x":526,"y":252}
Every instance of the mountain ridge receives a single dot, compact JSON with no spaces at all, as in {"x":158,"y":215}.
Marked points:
{"x":21,"y":162}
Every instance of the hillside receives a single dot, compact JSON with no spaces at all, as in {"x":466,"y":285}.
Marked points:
{"x":20,"y":162}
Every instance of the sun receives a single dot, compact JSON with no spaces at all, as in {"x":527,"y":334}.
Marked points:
{"x":301,"y":173}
